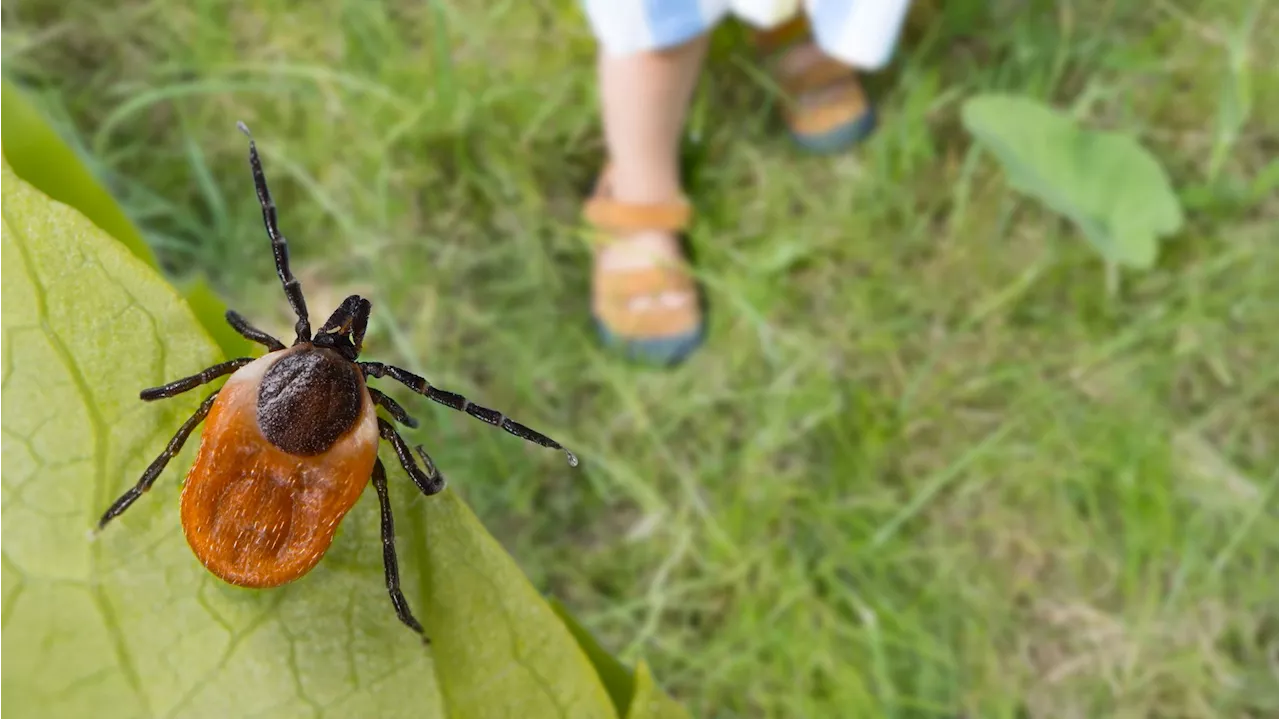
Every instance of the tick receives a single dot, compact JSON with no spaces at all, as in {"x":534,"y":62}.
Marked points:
{"x":290,"y":441}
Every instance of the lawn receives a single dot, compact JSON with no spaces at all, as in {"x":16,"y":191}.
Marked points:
{"x":926,"y":465}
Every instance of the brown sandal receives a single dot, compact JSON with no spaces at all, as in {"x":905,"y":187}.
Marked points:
{"x":827,"y":109}
{"x":633,"y":308}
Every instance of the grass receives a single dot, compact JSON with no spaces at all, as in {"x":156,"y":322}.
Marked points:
{"x":924,"y":467}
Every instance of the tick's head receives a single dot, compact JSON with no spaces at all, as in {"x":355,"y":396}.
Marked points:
{"x":344,"y":331}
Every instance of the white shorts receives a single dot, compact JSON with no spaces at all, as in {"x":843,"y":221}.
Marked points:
{"x":861,"y":33}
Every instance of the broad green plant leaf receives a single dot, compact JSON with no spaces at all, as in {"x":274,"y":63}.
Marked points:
{"x":1111,"y":187}
{"x":649,"y":702}
{"x":40,"y":157}
{"x":633,"y":694}
{"x":128,"y":624}
{"x":617,"y":678}
{"x":509,"y":655}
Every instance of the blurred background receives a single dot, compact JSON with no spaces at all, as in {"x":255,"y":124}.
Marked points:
{"x":926,"y":463}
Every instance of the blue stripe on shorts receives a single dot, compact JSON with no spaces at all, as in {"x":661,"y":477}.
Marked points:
{"x":674,"y":22}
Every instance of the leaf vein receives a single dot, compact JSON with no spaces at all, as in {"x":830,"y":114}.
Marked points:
{"x":99,"y":436}
{"x":236,"y":640}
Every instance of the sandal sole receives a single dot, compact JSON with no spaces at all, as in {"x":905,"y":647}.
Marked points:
{"x":655,"y":350}
{"x":839,"y":138}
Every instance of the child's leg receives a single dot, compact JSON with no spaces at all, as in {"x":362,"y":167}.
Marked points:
{"x":643,"y":299}
{"x":814,"y":57}
{"x":645,"y":98}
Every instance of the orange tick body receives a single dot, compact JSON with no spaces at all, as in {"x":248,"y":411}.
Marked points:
{"x":257,"y":515}
{"x":291,"y":440}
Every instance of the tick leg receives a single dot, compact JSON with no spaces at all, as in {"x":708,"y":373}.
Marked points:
{"x":179,"y":386}
{"x":157,"y":466}
{"x":389,"y":552}
{"x":352,"y":317}
{"x":251,"y":333}
{"x":430,"y":482}
{"x":279,"y":245}
{"x":462,"y":404}
{"x":393,"y":408}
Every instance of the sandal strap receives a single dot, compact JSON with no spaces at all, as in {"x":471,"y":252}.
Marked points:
{"x":621,"y":285}
{"x":617,"y":289}
{"x":605,"y":213}
{"x":819,"y":74}
{"x":782,"y":36}
{"x":608,"y":214}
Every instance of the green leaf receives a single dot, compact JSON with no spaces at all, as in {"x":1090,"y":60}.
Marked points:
{"x":39,"y":156}
{"x":129,"y":624}
{"x":1112,"y":188}
{"x":633,"y":695}
{"x":616,"y":678}
{"x":212,"y":311}
{"x":508,"y":655}
{"x":649,"y":702}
